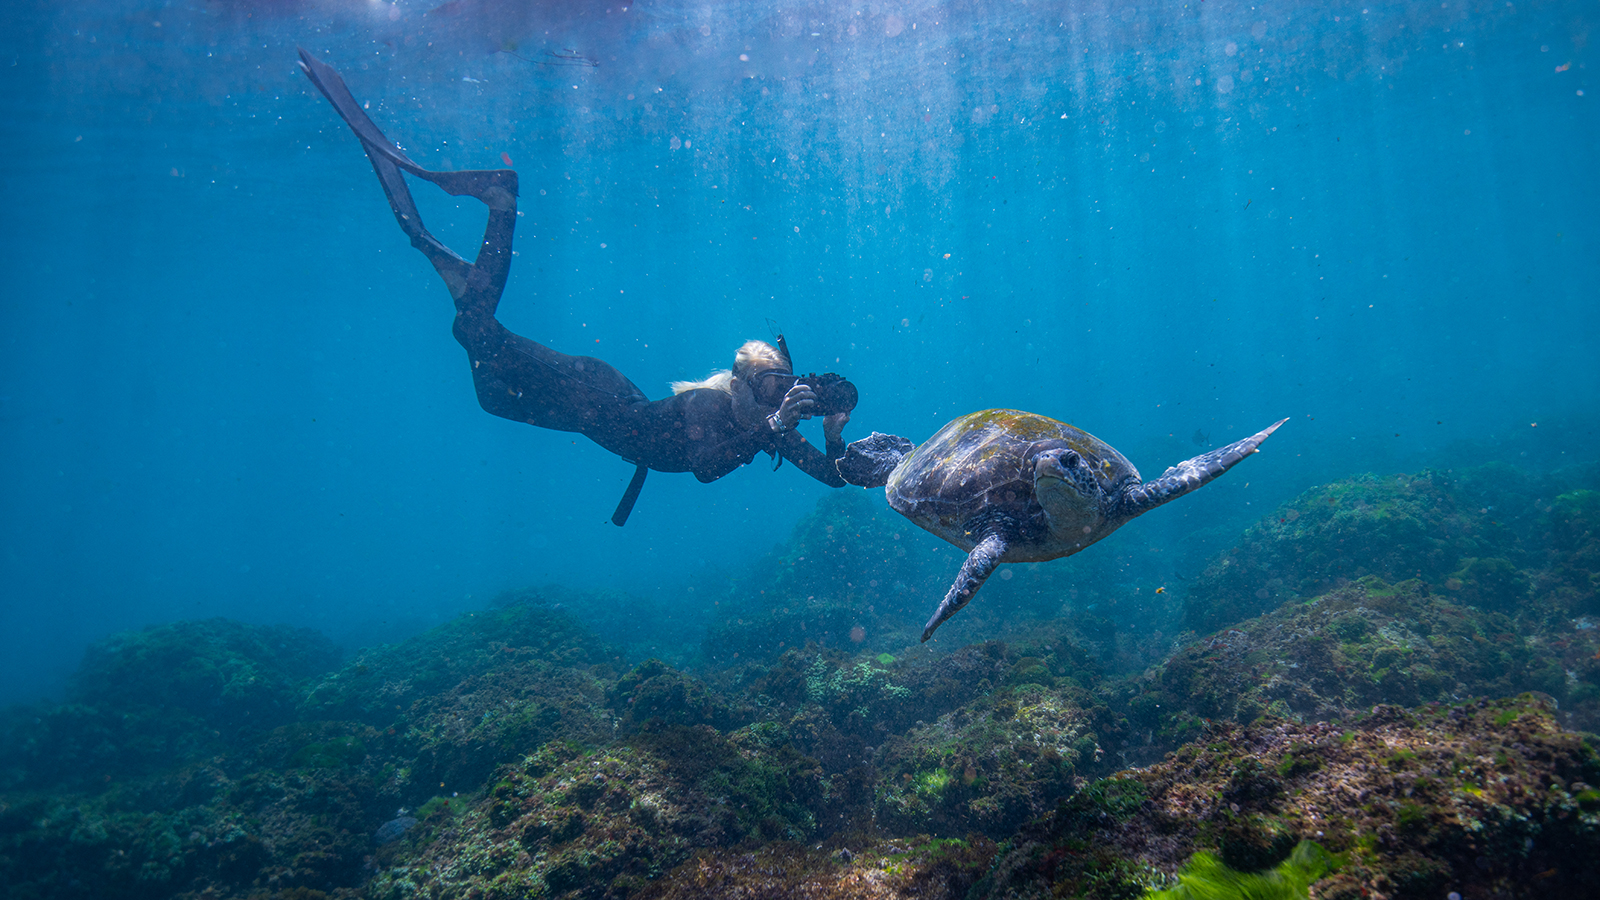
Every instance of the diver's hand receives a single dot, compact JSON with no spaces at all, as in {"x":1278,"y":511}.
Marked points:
{"x":833,"y":426}
{"x":797,"y":405}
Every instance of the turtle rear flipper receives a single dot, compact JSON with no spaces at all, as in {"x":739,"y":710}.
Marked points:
{"x":868,"y":462}
{"x":1191,"y":473}
{"x":980,"y":564}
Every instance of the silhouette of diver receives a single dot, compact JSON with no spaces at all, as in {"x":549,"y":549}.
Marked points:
{"x":709,"y":427}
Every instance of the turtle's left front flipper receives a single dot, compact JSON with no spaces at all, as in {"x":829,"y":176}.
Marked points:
{"x":980,"y":564}
{"x":1191,"y":473}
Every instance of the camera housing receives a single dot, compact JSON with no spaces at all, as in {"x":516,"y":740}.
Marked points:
{"x":835,"y":394}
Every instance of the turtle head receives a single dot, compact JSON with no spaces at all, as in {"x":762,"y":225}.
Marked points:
{"x":1070,"y":493}
{"x":868,"y":462}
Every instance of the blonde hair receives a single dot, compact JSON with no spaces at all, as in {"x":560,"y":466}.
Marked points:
{"x":753,"y":355}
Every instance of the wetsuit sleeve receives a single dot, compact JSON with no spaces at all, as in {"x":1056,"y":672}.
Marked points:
{"x":813,"y":462}
{"x":719,"y":445}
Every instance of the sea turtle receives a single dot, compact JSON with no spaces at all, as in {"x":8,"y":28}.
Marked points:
{"x":1010,"y":486}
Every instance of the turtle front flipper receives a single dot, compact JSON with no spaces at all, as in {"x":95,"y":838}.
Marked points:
{"x":868,"y":462}
{"x":980,"y":564}
{"x":1191,"y":473}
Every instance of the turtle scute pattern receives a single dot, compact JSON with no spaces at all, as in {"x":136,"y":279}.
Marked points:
{"x":982,"y":464}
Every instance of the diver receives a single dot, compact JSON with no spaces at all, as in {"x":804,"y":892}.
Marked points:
{"x":708,"y":427}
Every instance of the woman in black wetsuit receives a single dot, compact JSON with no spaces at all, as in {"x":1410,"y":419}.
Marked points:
{"x":709,"y":428}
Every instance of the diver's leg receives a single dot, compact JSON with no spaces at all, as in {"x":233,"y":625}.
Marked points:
{"x":475,"y":286}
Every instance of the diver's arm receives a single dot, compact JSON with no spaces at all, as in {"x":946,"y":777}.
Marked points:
{"x":795,"y":448}
{"x":478,"y":282}
{"x":723,"y":446}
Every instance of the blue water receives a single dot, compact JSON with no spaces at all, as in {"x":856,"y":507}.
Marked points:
{"x":228,"y":385}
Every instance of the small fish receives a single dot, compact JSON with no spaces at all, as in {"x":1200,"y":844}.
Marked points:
{"x":1161,"y":590}
{"x":1201,"y":438}
{"x":568,"y":57}
{"x":470,"y":80}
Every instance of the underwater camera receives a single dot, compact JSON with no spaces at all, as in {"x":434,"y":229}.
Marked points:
{"x":835,"y":393}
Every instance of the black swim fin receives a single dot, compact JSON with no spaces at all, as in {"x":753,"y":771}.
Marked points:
{"x":497,"y":188}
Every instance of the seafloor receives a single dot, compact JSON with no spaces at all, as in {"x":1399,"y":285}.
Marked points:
{"x":1384,"y":689}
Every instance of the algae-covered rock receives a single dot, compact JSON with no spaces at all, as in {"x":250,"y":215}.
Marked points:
{"x":1570,"y":575}
{"x":484,"y":688}
{"x":819,"y":751}
{"x":898,"y":869}
{"x":851,"y":576}
{"x":988,"y":766}
{"x":381,"y":683}
{"x":1476,"y":798}
{"x":1335,"y":657}
{"x":1394,"y":527}
{"x":1206,"y":877}
{"x":223,"y":672}
{"x":654,"y":693}
{"x":569,"y":822}
{"x":162,"y":697}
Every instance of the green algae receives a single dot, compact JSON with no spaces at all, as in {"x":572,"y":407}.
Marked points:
{"x":1205,"y":877}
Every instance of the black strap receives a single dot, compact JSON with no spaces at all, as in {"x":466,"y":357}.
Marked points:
{"x":630,"y":496}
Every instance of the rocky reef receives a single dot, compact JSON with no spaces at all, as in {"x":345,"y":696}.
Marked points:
{"x":1381,"y":691}
{"x":1484,"y":799}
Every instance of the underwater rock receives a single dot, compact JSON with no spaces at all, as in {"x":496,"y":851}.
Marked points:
{"x":1395,"y":527}
{"x":847,"y":578}
{"x":896,"y":739}
{"x":482,"y":689}
{"x":1570,"y":576}
{"x":899,"y":869}
{"x":988,"y":766}
{"x":1336,"y":656}
{"x":393,"y":829}
{"x":159,"y":698}
{"x":838,"y":708}
{"x":567,"y":822}
{"x":294,"y":808}
{"x":1486,"y":798}
{"x":221,"y":671}
{"x":655,"y":693}
{"x":527,"y":633}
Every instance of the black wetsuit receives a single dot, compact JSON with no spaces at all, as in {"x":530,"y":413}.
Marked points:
{"x":520,"y":379}
{"x":694,"y":431}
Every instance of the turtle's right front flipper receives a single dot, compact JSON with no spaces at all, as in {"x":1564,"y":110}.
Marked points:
{"x":868,"y":462}
{"x":980,"y":564}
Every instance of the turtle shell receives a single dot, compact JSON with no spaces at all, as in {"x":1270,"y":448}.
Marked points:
{"x":981,"y":466}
